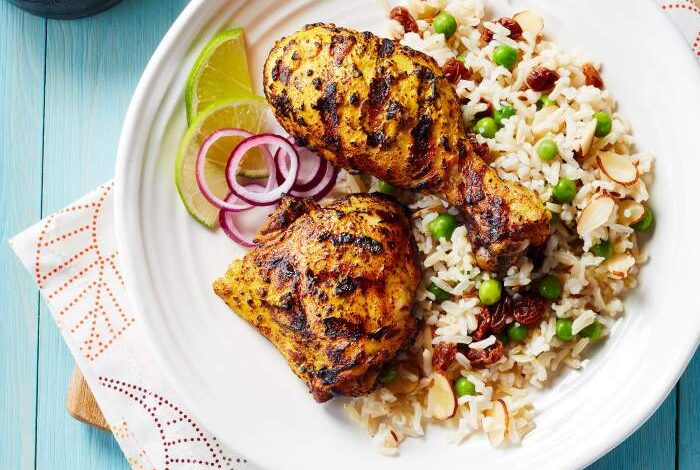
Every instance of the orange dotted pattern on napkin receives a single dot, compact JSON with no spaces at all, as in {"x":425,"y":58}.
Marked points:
{"x":94,"y":315}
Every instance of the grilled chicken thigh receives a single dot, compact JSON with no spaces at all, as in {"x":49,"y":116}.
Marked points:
{"x":370,"y":104}
{"x":332,"y":288}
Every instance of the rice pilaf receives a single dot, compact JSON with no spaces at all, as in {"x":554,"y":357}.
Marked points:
{"x":606,"y":204}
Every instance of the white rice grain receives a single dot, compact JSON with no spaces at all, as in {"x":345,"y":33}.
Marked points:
{"x":590,"y":292}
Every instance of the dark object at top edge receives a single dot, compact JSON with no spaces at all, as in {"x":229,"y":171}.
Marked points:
{"x":64,"y":9}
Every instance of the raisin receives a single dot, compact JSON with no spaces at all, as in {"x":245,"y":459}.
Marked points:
{"x":482,"y":358}
{"x":403,"y":16}
{"x":529,"y":309}
{"x":500,"y":313}
{"x":486,"y":35}
{"x":443,"y":356}
{"x":455,"y":71}
{"x":482,"y":150}
{"x":485,"y":113}
{"x":515,"y":30}
{"x":592,"y":76}
{"x":484,"y":326}
{"x":541,"y":78}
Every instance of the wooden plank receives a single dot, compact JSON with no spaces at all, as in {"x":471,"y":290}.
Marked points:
{"x":689,"y":417}
{"x":93,"y":66}
{"x":652,"y":447}
{"x":81,"y":404}
{"x":62,"y":442}
{"x":22,"y":57}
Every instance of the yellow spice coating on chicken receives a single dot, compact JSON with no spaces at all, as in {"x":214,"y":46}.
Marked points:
{"x":332,"y":288}
{"x":370,"y":104}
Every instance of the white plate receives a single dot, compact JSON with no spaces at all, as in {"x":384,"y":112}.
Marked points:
{"x":235,"y":382}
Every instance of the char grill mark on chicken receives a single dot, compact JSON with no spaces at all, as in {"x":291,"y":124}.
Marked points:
{"x":370,"y":104}
{"x":332,"y":288}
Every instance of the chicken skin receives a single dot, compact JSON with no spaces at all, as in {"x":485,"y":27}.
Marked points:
{"x":373,"y":105}
{"x":332,"y":288}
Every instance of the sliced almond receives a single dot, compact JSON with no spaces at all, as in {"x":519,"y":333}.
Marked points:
{"x":629,"y":212}
{"x":620,"y":264}
{"x":618,"y":168}
{"x":577,"y":79}
{"x":442,"y":401}
{"x":403,"y":385}
{"x":390,"y":437}
{"x":425,"y":10}
{"x":587,"y":138}
{"x":547,"y":120}
{"x":595,"y":214}
{"x":500,"y":422}
{"x":530,"y":21}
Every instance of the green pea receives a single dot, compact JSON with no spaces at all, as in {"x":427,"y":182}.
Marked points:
{"x":506,"y":56}
{"x":444,"y":23}
{"x":592,"y":331}
{"x":516,"y":331}
{"x":503,"y":338}
{"x":439,"y":294}
{"x":547,"y":149}
{"x":545,"y":101}
{"x":503,"y":113}
{"x":464,"y":387}
{"x":603,"y":249}
{"x":486,"y":126}
{"x":550,"y":287}
{"x":443,"y":225}
{"x":563,"y":329}
{"x":462,"y":58}
{"x":388,"y":374}
{"x":646,"y":222}
{"x":564,"y":191}
{"x":490,"y":291}
{"x":385,"y":187}
{"x":603,"y":124}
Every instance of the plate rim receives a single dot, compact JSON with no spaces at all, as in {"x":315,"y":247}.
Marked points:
{"x":134,"y":134}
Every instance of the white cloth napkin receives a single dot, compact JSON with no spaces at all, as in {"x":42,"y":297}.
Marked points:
{"x":73,"y":258}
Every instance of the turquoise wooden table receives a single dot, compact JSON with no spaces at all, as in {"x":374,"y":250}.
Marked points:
{"x":64,"y":90}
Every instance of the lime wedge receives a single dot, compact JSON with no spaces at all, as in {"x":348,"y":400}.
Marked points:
{"x":247,"y":113}
{"x":219,"y":73}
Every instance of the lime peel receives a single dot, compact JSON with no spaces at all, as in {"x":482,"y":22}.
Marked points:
{"x":219,"y":73}
{"x":247,"y":113}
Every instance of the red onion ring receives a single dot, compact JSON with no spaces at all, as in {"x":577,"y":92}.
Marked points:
{"x":227,"y":219}
{"x":201,"y":160}
{"x":271,"y":169}
{"x":239,"y":203}
{"x":284,"y":178}
{"x":307,"y":178}
{"x":324,"y":186}
{"x":229,"y":227}
{"x":271,"y":195}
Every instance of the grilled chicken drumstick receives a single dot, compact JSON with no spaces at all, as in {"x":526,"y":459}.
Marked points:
{"x":370,"y":104}
{"x":332,"y":288}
